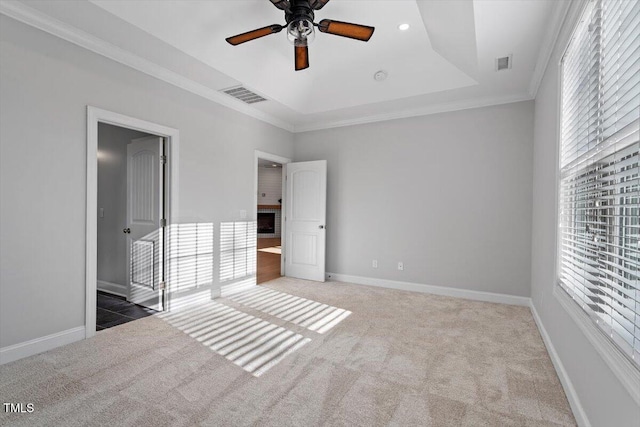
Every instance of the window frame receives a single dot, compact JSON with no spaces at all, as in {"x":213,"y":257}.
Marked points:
{"x":623,"y":368}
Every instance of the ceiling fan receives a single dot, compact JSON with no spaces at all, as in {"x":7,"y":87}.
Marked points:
{"x":300,"y":28}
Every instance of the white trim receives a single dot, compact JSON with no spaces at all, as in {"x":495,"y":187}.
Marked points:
{"x":620,"y":365}
{"x":422,"y":111}
{"x":567,"y":385}
{"x":271,"y":157}
{"x":112,"y":288}
{"x":180,"y":300}
{"x":38,"y":345}
{"x":237,"y":287}
{"x":558,"y":16}
{"x":430,"y":289}
{"x":572,"y":19}
{"x":37,"y":19}
{"x":95,"y":116}
{"x":283,"y":161}
{"x":91,"y":225}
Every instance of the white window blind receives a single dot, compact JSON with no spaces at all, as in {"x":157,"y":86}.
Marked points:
{"x":599,"y":189}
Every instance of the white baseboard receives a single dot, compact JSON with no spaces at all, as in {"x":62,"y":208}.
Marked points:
{"x":38,"y":345}
{"x":186,"y":299}
{"x":567,"y":385}
{"x":112,"y":288}
{"x":430,"y":289}
{"x":240,"y":286}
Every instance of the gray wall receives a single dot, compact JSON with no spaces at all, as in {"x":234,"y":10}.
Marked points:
{"x":269,"y":184}
{"x":605,"y":401}
{"x":45,"y":87}
{"x":112,"y":197}
{"x":448,"y":194}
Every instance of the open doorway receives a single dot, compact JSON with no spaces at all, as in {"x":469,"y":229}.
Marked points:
{"x":269,"y":216}
{"x":269,"y":220}
{"x":148,"y":218}
{"x":130,"y":234}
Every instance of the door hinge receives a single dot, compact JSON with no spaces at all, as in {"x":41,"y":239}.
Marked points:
{"x":163,"y":222}
{"x":162,"y":285}
{"x":163,"y":159}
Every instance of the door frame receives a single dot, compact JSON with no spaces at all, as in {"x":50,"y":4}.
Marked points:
{"x":283,"y":161}
{"x":172,"y":139}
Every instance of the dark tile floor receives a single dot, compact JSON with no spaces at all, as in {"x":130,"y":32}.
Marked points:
{"x":114,"y":310}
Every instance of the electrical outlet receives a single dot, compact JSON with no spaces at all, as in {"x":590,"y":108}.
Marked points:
{"x":374,"y":264}
{"x":400,"y":265}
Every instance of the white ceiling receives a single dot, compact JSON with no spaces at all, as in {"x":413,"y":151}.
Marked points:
{"x":341,"y":71}
{"x":444,"y":61}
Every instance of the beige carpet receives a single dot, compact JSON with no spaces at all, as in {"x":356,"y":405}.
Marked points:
{"x":398,"y":358}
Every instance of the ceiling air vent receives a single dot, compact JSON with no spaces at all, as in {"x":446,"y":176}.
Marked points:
{"x":503,"y":63}
{"x":244,"y":94}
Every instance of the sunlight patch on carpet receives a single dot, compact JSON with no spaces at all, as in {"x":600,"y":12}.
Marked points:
{"x":313,"y":315}
{"x":251,"y":343}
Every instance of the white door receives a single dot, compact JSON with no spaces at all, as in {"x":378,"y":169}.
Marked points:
{"x":305,"y":214}
{"x":145,"y":234}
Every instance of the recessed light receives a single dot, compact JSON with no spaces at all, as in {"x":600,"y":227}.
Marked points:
{"x":403,"y":27}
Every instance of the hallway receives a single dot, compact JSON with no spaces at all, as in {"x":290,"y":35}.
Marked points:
{"x":268,"y":259}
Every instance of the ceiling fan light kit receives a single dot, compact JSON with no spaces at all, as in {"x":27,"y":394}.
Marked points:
{"x":300,"y":32}
{"x":299,"y":16}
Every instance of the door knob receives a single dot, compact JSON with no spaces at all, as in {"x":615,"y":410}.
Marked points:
{"x":321,"y":227}
{"x":126,"y":230}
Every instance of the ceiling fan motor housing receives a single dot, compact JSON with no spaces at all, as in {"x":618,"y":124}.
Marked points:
{"x":299,"y":10}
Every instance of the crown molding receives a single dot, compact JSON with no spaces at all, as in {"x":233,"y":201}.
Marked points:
{"x":558,"y":16}
{"x":423,"y":111}
{"x":46,"y":23}
{"x":32,"y":17}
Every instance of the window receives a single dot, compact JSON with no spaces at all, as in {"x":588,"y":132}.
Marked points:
{"x":599,"y":187}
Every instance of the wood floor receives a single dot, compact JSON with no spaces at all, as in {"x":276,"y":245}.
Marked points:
{"x":268,"y":264}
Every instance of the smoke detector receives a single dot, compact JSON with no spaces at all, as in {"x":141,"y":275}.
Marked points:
{"x":380,"y":75}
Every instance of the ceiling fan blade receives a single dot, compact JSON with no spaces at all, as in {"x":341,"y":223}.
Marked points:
{"x":346,"y":29}
{"x":302,"y":57}
{"x":255,"y":34}
{"x":317,"y":4}
{"x":282,"y":4}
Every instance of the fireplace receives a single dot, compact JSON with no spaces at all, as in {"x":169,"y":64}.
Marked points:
{"x":266,"y":222}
